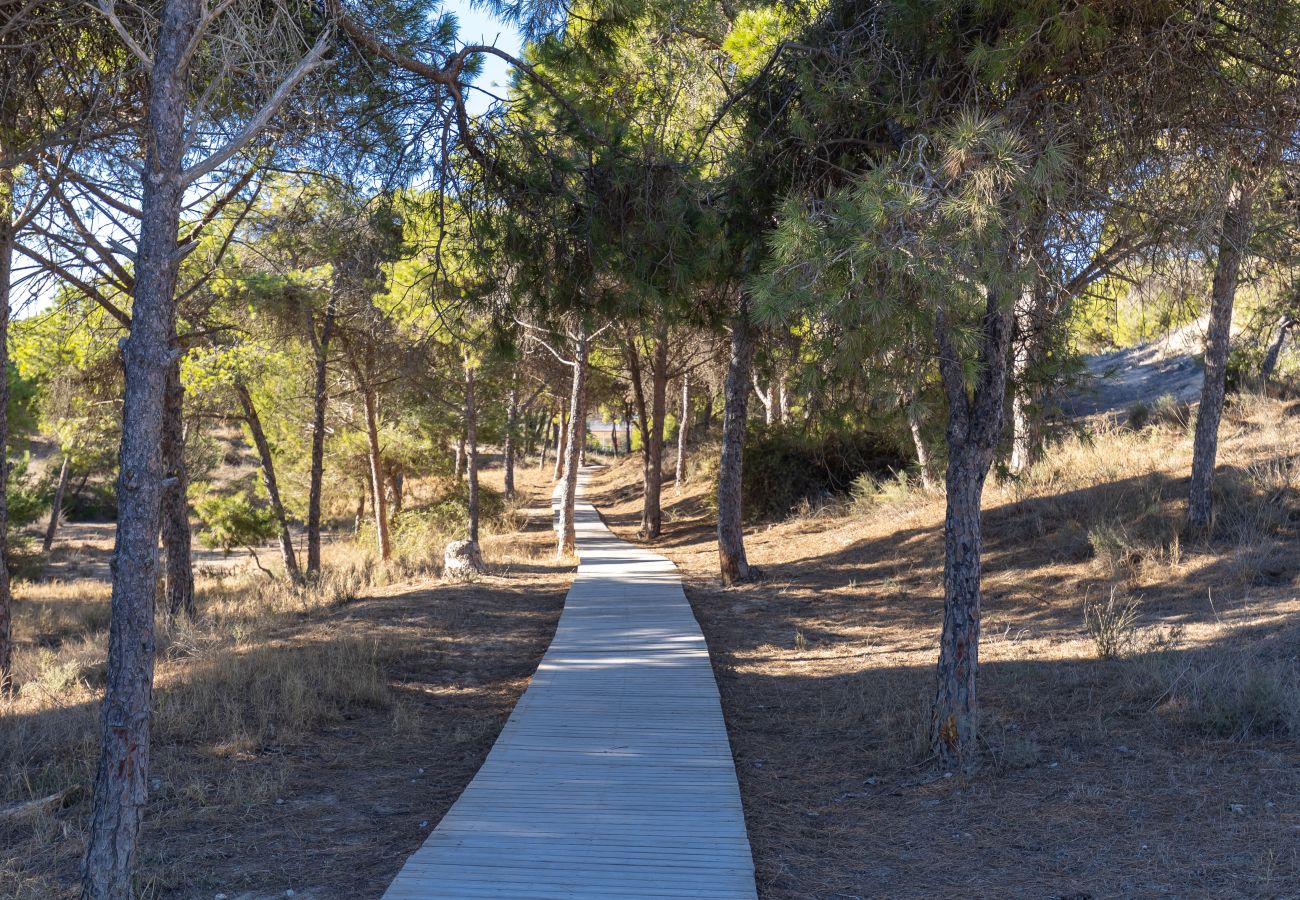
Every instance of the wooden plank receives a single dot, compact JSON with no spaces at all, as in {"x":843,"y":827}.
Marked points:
{"x":613,"y":776}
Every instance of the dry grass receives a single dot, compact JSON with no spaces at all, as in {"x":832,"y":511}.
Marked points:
{"x":301,"y":737}
{"x":1172,"y":769}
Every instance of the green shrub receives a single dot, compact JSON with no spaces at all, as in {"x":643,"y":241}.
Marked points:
{"x":234,"y":520}
{"x":785,"y":469}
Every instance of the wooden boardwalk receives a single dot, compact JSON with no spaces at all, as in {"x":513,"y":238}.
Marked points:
{"x":613,"y":777}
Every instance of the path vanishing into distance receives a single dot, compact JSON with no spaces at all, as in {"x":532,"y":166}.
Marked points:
{"x":613,"y":777}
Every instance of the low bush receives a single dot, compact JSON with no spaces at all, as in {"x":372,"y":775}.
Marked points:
{"x":785,"y":469}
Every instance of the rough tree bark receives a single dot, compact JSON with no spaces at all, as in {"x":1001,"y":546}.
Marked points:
{"x":56,"y":505}
{"x":573,"y":447}
{"x":1234,"y":235}
{"x":378,"y":502}
{"x":121,"y":783}
{"x":508,"y":451}
{"x":731,"y":534}
{"x":269,"y":481}
{"x":7,"y":241}
{"x":974,"y":428}
{"x":176,"y":536}
{"x":627,"y":426}
{"x":683,"y":432}
{"x":320,"y":399}
{"x":613,"y":435}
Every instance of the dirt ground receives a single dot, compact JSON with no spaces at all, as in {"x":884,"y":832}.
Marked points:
{"x":1173,"y":770}
{"x":333,"y":808}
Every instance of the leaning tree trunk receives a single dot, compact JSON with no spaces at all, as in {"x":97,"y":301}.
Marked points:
{"x":764,"y":397}
{"x":731,"y":535}
{"x":7,"y":240}
{"x":508,"y":451}
{"x":176,"y":536}
{"x":974,"y":428}
{"x":56,"y":505}
{"x":923,"y":460}
{"x":269,"y":481}
{"x":683,"y":429}
{"x":653,"y":473}
{"x":121,"y":783}
{"x":1233,"y":238}
{"x":320,"y":399}
{"x":627,"y":427}
{"x":378,"y":502}
{"x":1269,"y":365}
{"x":572,"y":449}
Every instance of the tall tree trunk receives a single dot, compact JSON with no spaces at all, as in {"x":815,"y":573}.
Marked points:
{"x":613,"y":435}
{"x":56,"y":505}
{"x":320,"y":399}
{"x":508,"y":451}
{"x":546,"y":443}
{"x":471,"y":462}
{"x":561,"y":431}
{"x":683,"y":431}
{"x":572,"y":448}
{"x":706,"y":416}
{"x":1233,"y":238}
{"x":780,"y":415}
{"x":460,"y":456}
{"x":177,"y":539}
{"x":7,"y":241}
{"x":360,"y":516}
{"x":627,"y":427}
{"x":121,"y":783}
{"x":974,"y":428}
{"x":377,"y":501}
{"x":269,"y":481}
{"x":731,"y":534}
{"x":651,"y":510}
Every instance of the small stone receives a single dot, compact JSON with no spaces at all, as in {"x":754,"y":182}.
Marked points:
{"x":871,"y":781}
{"x":424,"y":824}
{"x":289,"y":893}
{"x":279,"y":802}
{"x":1236,"y":809}
{"x":219,"y":897}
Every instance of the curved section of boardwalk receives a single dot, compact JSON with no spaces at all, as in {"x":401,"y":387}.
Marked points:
{"x":613,"y":777}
